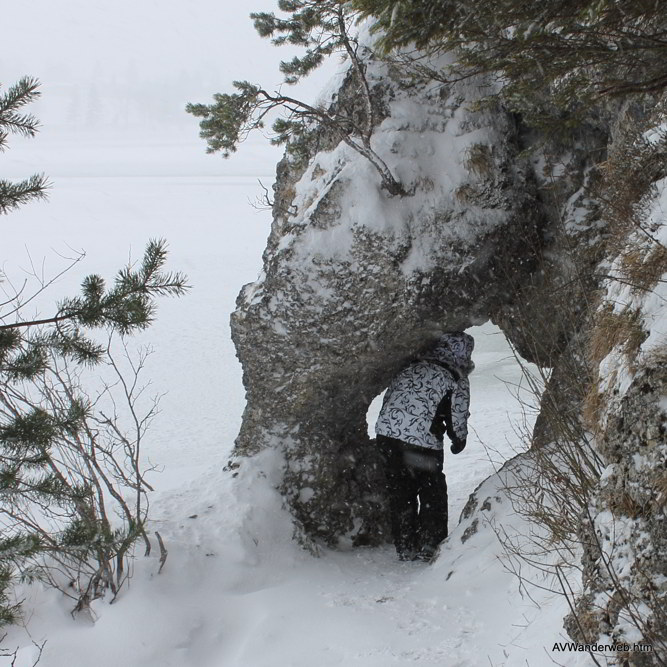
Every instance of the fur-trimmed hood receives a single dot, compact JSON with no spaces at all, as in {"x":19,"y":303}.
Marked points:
{"x":453,"y":350}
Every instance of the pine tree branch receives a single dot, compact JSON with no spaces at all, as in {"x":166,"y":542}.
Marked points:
{"x":14,"y":195}
{"x":22,"y":93}
{"x":300,"y":108}
{"x":36,"y":323}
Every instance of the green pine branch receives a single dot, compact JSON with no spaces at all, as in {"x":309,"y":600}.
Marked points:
{"x":322,"y":27}
{"x":229,"y":120}
{"x":14,"y":195}
{"x":126,"y":307}
{"x":313,"y":24}
{"x":17,"y":96}
{"x":14,"y":121}
{"x":571,"y":53}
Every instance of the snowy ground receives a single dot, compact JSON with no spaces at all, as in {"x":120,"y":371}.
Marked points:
{"x":235,"y":591}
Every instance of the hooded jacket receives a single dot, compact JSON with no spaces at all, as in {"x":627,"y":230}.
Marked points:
{"x":431,"y":396}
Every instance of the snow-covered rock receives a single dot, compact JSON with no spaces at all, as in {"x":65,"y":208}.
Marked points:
{"x":624,"y":531}
{"x":355,"y":281}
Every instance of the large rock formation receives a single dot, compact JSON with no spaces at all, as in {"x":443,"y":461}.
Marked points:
{"x":355,"y":281}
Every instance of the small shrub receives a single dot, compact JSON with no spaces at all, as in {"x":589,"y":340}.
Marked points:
{"x":612,"y":329}
{"x":478,"y":159}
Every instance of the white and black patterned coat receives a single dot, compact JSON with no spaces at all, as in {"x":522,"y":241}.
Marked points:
{"x":431,"y":396}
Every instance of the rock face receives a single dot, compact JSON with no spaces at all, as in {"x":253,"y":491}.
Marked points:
{"x":355,"y":282}
{"x":625,"y":533}
{"x":624,"y":530}
{"x":603,"y":413}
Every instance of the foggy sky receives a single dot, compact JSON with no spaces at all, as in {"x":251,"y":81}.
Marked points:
{"x":129,"y":60}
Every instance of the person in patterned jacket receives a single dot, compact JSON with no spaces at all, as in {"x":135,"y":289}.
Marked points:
{"x":423,"y":402}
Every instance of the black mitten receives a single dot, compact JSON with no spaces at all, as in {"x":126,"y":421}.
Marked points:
{"x":458,"y":446}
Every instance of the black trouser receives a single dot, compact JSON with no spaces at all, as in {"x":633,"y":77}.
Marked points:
{"x":413,"y":473}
